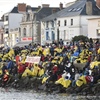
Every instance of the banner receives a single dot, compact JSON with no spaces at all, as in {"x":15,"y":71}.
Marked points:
{"x":35,"y":59}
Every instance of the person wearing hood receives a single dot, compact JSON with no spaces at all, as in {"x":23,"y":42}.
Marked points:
{"x":52,"y":50}
{"x":53,"y":76}
{"x":10,"y":65}
{"x":77,"y":76}
{"x":68,"y":67}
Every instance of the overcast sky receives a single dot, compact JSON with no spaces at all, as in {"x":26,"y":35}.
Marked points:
{"x":7,"y":5}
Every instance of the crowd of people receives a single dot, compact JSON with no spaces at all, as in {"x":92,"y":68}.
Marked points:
{"x":71,"y":65}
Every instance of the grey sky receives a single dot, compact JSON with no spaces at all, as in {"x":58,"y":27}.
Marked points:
{"x":7,"y":5}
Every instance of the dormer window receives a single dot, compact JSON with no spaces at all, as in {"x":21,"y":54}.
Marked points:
{"x":78,"y":9}
{"x":28,"y":17}
{"x":70,"y":10}
{"x":74,"y":9}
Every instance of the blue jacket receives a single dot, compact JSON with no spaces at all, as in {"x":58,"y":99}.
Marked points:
{"x":10,"y":64}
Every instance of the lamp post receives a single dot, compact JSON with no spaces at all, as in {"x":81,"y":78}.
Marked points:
{"x":58,"y":35}
{"x":32,"y":32}
{"x":57,"y":28}
{"x":33,"y":28}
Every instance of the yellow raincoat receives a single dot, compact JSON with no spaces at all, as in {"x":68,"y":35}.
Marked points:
{"x":0,"y":72}
{"x":99,"y":51}
{"x":41,"y":72}
{"x":81,"y":81}
{"x":44,"y":79}
{"x":46,"y":51}
{"x":93,"y":64}
{"x":65,"y":83}
{"x":35,"y":70}
{"x":27,"y":72}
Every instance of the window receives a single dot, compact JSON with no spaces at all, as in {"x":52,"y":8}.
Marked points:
{"x":78,"y":9}
{"x":74,"y":9}
{"x":24,"y":32}
{"x":47,"y":24}
{"x":52,"y":23}
{"x":71,"y":21}
{"x":70,"y":10}
{"x":65,"y":22}
{"x":6,"y":30}
{"x":6,"y":18}
{"x":58,"y":23}
{"x":98,"y":32}
{"x":47,"y":35}
{"x":53,"y":36}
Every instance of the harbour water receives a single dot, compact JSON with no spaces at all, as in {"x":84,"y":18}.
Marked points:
{"x":11,"y":94}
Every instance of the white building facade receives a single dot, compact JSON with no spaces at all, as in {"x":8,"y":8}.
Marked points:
{"x":71,"y":21}
{"x":94,"y":28}
{"x":12,"y":21}
{"x":75,"y":25}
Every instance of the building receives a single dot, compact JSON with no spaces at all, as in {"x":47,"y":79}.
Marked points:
{"x":31,"y":23}
{"x":1,"y":37}
{"x":69,"y":22}
{"x":14,"y":37}
{"x":94,"y":28}
{"x":12,"y":21}
{"x":1,"y":33}
{"x":27,"y":25}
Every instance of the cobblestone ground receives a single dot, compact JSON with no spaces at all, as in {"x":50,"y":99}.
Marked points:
{"x":11,"y":94}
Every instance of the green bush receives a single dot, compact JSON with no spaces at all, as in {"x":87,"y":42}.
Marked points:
{"x":80,"y":37}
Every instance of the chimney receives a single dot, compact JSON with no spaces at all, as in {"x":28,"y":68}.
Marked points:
{"x":39,"y":7}
{"x":89,"y":7}
{"x":21,"y":7}
{"x":61,"y":6}
{"x":29,"y":9}
{"x":45,"y":5}
{"x":98,"y":3}
{"x":54,"y":11}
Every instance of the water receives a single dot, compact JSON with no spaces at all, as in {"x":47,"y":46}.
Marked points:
{"x":11,"y":94}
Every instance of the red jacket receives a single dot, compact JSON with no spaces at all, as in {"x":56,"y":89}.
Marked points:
{"x":21,"y":69}
{"x":55,"y":69}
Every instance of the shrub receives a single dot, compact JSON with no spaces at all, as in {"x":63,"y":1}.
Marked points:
{"x":80,"y":37}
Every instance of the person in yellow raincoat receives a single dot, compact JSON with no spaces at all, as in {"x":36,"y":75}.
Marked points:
{"x":27,"y":72}
{"x":65,"y":80}
{"x":99,"y":51}
{"x":81,"y":81}
{"x":41,"y":71}
{"x":46,"y":51}
{"x":35,"y":70}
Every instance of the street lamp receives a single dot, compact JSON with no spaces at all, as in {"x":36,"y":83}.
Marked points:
{"x":32,"y":28}
{"x":32,"y":31}
{"x":58,"y":24}
{"x":58,"y":35}
{"x":57,"y":27}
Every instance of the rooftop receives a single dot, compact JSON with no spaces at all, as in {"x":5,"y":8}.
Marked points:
{"x":78,"y":8}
